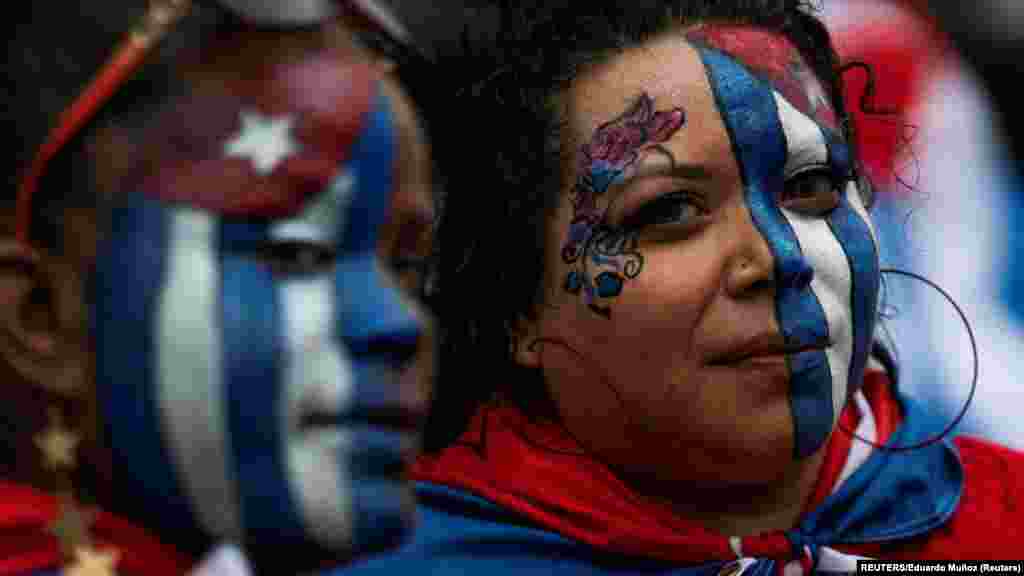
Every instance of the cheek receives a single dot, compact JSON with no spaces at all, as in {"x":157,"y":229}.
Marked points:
{"x":655,"y":315}
{"x":611,"y":377}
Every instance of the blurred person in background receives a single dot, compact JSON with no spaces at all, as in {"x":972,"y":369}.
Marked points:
{"x":212,"y":355}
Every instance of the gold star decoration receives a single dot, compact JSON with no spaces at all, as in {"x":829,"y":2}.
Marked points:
{"x":72,"y":527}
{"x":57,"y":443}
{"x":92,"y":562}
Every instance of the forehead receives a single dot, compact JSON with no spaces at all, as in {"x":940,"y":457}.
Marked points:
{"x":669,"y":70}
{"x":773,"y":58}
{"x":260,"y":144}
{"x":672,"y":72}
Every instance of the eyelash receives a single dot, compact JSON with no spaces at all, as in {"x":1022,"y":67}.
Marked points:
{"x":296,"y":258}
{"x":812,"y":202}
{"x":667,"y":210}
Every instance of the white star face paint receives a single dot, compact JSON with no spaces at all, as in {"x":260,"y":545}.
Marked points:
{"x":265,"y":141}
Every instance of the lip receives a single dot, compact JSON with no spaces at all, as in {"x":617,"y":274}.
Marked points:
{"x":370,"y":452}
{"x":762,"y":349}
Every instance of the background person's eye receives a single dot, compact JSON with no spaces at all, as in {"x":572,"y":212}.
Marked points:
{"x":811,"y":191}
{"x":297,"y":257}
{"x":411,"y":270}
{"x":674,"y":208}
{"x":408,"y":254}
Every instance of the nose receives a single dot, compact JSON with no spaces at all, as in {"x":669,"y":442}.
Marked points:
{"x":377,"y":323}
{"x":751,"y":265}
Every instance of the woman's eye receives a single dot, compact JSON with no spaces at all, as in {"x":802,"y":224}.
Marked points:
{"x":672,"y":208}
{"x":812,"y":192}
{"x":296,"y":258}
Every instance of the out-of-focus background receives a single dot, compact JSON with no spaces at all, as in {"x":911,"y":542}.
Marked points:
{"x":949,"y":207}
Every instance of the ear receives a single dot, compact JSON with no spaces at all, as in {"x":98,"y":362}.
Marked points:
{"x":525,"y":344}
{"x":30,"y":342}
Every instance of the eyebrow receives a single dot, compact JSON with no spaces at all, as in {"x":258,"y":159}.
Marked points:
{"x":673,"y":168}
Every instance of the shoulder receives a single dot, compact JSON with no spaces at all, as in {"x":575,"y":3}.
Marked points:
{"x":994,"y":482}
{"x":989,"y":520}
{"x":458,"y":533}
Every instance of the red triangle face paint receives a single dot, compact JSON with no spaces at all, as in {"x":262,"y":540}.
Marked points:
{"x":260,"y":146}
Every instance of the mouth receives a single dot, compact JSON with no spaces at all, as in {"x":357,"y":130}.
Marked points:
{"x":763,"y":350}
{"x":377,"y":445}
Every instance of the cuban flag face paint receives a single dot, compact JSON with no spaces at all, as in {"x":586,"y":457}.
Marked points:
{"x":826,"y":264}
{"x":247,"y":340}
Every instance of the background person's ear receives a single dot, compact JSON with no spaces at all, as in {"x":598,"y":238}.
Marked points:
{"x":524,"y":340}
{"x":38,"y":339}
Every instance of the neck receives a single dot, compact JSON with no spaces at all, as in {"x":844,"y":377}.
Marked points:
{"x":735,"y":509}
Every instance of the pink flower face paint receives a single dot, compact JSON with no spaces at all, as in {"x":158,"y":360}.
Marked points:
{"x":602,"y":256}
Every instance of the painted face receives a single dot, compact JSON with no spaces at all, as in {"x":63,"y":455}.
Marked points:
{"x":249,"y":342}
{"x":826,"y":260}
{"x":748,"y":317}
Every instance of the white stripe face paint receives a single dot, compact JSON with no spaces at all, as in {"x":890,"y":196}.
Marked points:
{"x":832,"y":282}
{"x":859,"y":451}
{"x":189,"y":373}
{"x":317,"y":374}
{"x":857,"y":203}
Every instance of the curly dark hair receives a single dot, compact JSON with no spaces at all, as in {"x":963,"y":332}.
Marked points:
{"x":504,"y":175}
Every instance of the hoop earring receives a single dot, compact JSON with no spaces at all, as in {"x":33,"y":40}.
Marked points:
{"x":974,"y":378}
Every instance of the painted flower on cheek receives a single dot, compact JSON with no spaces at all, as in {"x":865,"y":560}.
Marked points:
{"x":591,"y":242}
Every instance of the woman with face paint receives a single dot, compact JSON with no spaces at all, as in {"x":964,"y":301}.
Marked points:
{"x":658,"y":290}
{"x":208,"y":348}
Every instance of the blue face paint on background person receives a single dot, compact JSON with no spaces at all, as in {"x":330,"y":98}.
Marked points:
{"x":250,"y":344}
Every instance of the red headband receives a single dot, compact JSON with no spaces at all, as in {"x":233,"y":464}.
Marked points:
{"x":157,"y":22}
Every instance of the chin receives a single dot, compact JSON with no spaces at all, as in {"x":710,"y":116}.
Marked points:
{"x":748,"y":450}
{"x":353,"y":483}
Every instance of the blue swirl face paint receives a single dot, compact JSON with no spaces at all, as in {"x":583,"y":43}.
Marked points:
{"x":826,"y":267}
{"x":239,"y":387}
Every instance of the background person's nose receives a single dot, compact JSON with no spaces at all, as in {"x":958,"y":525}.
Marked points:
{"x":376,"y":321}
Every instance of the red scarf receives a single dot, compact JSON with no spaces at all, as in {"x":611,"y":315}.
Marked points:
{"x":582,"y":500}
{"x":26,"y":545}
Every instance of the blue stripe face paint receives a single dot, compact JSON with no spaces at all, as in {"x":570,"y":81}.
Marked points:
{"x":240,"y":376}
{"x":126,"y":284}
{"x":826,"y":266}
